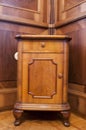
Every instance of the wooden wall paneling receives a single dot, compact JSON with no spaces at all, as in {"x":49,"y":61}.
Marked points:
{"x":56,"y":6}
{"x":39,"y":16}
{"x":77,"y":98}
{"x":8,"y":65}
{"x":61,"y":15}
{"x":70,"y":11}
{"x":77,"y":50}
{"x":72,"y":3}
{"x":8,"y":46}
{"x":77,"y":64}
{"x":14,"y":11}
{"x":7,"y":98}
{"x":51,"y":17}
{"x":30,"y":4}
{"x":21,"y":8}
{"x":17,"y":17}
{"x":45,"y":11}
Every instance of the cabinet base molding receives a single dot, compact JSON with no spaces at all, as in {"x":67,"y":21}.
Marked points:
{"x":43,"y":107}
{"x":63,"y":109}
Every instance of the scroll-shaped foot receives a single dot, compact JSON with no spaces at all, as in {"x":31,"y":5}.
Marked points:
{"x":65,"y":117}
{"x":17,"y":114}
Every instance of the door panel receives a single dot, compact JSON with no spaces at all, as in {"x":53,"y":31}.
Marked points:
{"x":40,"y":76}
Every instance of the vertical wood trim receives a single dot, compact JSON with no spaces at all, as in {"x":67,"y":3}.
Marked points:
{"x":61,"y":9}
{"x":19,"y":98}
{"x":39,"y":5}
{"x":52,"y":12}
{"x":41,"y":10}
{"x":48,"y":18}
{"x":52,"y":18}
{"x":66,"y":56}
{"x":56,"y":8}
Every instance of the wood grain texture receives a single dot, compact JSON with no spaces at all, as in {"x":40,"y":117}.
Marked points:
{"x":30,"y":11}
{"x":77,"y":51}
{"x":69,"y":4}
{"x":7,"y":98}
{"x":41,"y":120}
{"x":58,"y":61}
{"x":42,"y":84}
{"x":77,"y":98}
{"x":8,"y":46}
{"x":30,"y":4}
{"x":70,"y":11}
{"x":77,"y":56}
{"x":16,"y":17}
{"x":8,"y":84}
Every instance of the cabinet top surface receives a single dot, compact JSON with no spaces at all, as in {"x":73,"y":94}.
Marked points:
{"x":43,"y":37}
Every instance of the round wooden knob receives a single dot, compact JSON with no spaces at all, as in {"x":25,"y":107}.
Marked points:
{"x":42,"y":44}
{"x":16,"y":56}
{"x":60,"y":75}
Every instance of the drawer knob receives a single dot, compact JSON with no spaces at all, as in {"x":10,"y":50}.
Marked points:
{"x":42,"y":44}
{"x":60,"y":75}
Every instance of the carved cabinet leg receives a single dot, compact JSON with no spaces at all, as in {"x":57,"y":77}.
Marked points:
{"x":17,"y":114}
{"x":65,"y":117}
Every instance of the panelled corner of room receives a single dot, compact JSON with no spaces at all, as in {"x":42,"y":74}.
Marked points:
{"x":71,"y":20}
{"x":16,"y":18}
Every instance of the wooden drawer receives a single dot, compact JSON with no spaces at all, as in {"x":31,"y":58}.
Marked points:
{"x":43,"y":46}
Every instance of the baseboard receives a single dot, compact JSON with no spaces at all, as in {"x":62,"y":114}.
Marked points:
{"x":7,"y":98}
{"x":77,"y":98}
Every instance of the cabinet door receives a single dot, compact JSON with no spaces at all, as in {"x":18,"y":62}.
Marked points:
{"x":42,"y":77}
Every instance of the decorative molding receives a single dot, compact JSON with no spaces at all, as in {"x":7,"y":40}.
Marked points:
{"x":8,"y":90}
{"x":75,"y":5}
{"x":51,"y":107}
{"x":78,"y":90}
{"x":77,"y":93}
{"x":33,"y":61}
{"x":20,"y":8}
{"x":8,"y":84}
{"x":23,"y":21}
{"x":77,"y":87}
{"x":8,"y":97}
{"x":70,"y":20}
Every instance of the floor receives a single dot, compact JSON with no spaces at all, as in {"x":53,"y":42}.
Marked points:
{"x":40,"y":121}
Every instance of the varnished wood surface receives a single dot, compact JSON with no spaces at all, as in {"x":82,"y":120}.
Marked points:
{"x":23,"y":21}
{"x":16,"y":17}
{"x":76,"y":51}
{"x":51,"y":56}
{"x":40,"y":121}
{"x":24,"y":11}
{"x":70,"y":11}
{"x":44,"y":37}
{"x":42,"y":84}
{"x":77,"y":64}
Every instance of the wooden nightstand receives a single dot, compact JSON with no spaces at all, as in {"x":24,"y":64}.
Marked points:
{"x":42,"y":75}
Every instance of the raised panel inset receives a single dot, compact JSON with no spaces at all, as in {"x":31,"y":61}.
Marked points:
{"x":68,"y":4}
{"x":42,"y":78}
{"x":28,"y":4}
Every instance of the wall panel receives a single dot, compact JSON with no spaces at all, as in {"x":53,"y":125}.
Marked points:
{"x":77,"y":50}
{"x":77,"y":64}
{"x":27,"y":9}
{"x":16,"y":17}
{"x":70,"y":10}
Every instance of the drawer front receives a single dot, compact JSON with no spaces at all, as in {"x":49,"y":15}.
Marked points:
{"x":43,"y":46}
